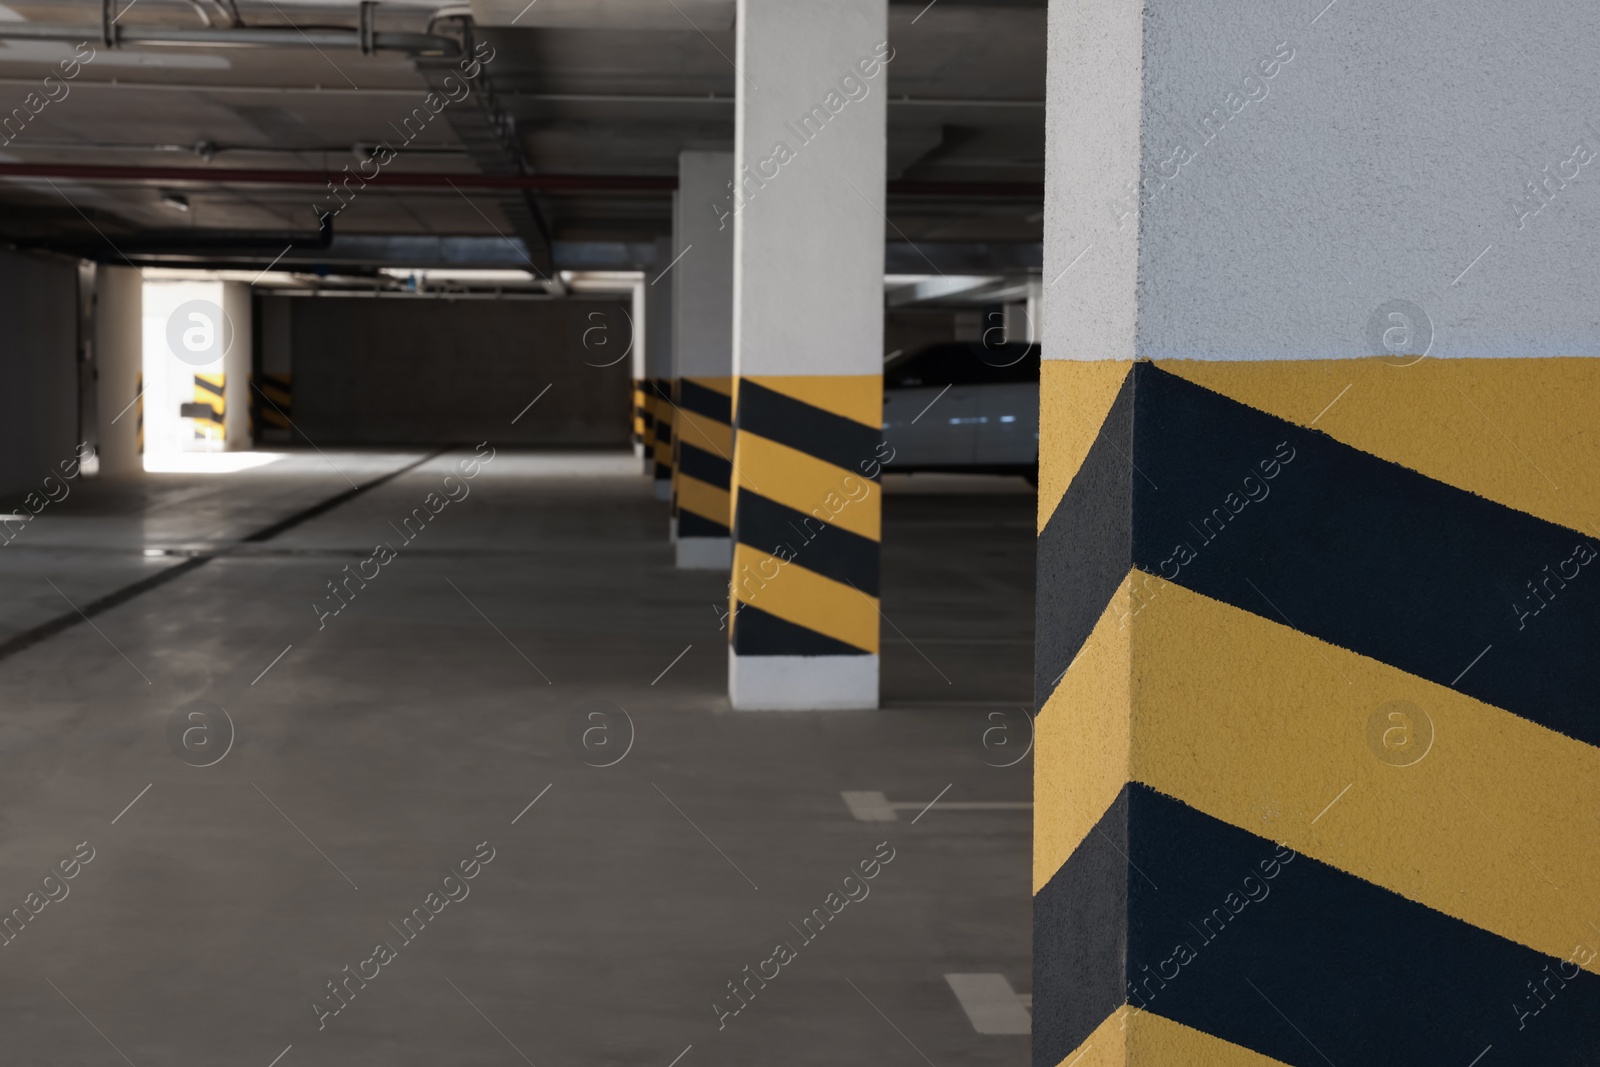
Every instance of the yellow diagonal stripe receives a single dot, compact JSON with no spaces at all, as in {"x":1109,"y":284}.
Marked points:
{"x":1516,"y":431}
{"x":1074,"y":398}
{"x":1291,"y":738}
{"x":807,"y":484}
{"x":703,"y":499}
{"x":705,"y":433}
{"x":1081,"y":741}
{"x":858,"y":397}
{"x":805,"y":598}
{"x":1133,"y":1038}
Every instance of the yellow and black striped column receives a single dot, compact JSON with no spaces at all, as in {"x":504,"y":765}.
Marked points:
{"x":208,"y":409}
{"x":807,"y":526}
{"x":1318,"y":745}
{"x":807,"y":345}
{"x":641,"y":424}
{"x":661,"y":447}
{"x":274,"y":402}
{"x":702,"y":472}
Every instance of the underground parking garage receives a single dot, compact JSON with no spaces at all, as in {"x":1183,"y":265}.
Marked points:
{"x":719,"y":531}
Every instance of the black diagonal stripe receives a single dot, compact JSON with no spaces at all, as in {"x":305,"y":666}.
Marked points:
{"x":806,"y":541}
{"x":692,"y":396}
{"x":706,"y":466}
{"x":1080,"y":935}
{"x":692,"y":525}
{"x":664,"y":431}
{"x":1314,"y":966}
{"x":760,"y":633}
{"x":1363,"y":553}
{"x":1085,"y":547}
{"x":833,"y":438}
{"x":211,"y":387}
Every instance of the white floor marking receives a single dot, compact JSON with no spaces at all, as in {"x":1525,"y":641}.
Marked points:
{"x":873,"y":806}
{"x":869,"y":806}
{"x":991,"y":1004}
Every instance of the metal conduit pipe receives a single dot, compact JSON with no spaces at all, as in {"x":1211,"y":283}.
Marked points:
{"x":236,"y":37}
{"x":364,"y":38}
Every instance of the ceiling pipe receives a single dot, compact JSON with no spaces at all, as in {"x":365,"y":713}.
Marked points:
{"x":365,"y":38}
{"x":193,"y":243}
{"x":554,"y":183}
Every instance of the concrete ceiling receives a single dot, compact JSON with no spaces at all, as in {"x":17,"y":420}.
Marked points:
{"x":966,"y":90}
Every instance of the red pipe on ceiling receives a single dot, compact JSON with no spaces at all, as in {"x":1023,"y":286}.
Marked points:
{"x":550,"y":183}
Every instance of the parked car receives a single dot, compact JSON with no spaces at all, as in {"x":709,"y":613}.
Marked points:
{"x":964,"y":407}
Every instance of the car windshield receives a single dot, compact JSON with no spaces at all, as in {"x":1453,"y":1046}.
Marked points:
{"x":963,"y":363}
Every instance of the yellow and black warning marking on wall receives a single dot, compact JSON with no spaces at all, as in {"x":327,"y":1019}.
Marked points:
{"x":662,"y":427}
{"x":807,"y":513}
{"x":641,"y":414}
{"x":207,"y":409}
{"x":274,"y":401}
{"x":1318,"y":736}
{"x":703,"y":417}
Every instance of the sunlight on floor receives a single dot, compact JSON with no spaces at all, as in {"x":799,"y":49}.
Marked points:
{"x":208,"y":462}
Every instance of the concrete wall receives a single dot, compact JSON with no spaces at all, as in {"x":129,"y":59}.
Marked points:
{"x":438,"y":371}
{"x":38,"y":362}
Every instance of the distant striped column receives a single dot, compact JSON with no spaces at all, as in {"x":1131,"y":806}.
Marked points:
{"x":662,"y":471}
{"x":1317,"y":760}
{"x":640,"y":417}
{"x":703,"y":472}
{"x":658,"y":371}
{"x":207,"y":409}
{"x":702,"y":346}
{"x":808,"y":333}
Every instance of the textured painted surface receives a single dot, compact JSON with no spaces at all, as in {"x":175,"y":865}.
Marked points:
{"x":702,"y":277}
{"x":807,"y":515}
{"x":1281,"y":209}
{"x":1285,"y":589}
{"x":1490,"y":426}
{"x":808,"y":221}
{"x":705,"y":457}
{"x":1074,"y":397}
{"x":1132,"y":1037}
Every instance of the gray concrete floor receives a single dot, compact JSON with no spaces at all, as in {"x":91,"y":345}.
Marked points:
{"x":379,"y":751}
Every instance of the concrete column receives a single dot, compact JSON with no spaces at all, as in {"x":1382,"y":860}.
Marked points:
{"x":637,"y":327}
{"x":808,"y":223}
{"x":119,"y":356}
{"x":658,"y":368}
{"x":702,"y":347}
{"x":1318,"y":738}
{"x":237,"y":364}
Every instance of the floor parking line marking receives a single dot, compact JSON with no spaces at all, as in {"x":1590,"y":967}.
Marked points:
{"x":992,"y":1006}
{"x":273,"y":664}
{"x":673,"y":664}
{"x":531,"y":803}
{"x":934,"y":801}
{"x":131,"y":803}
{"x":873,"y":806}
